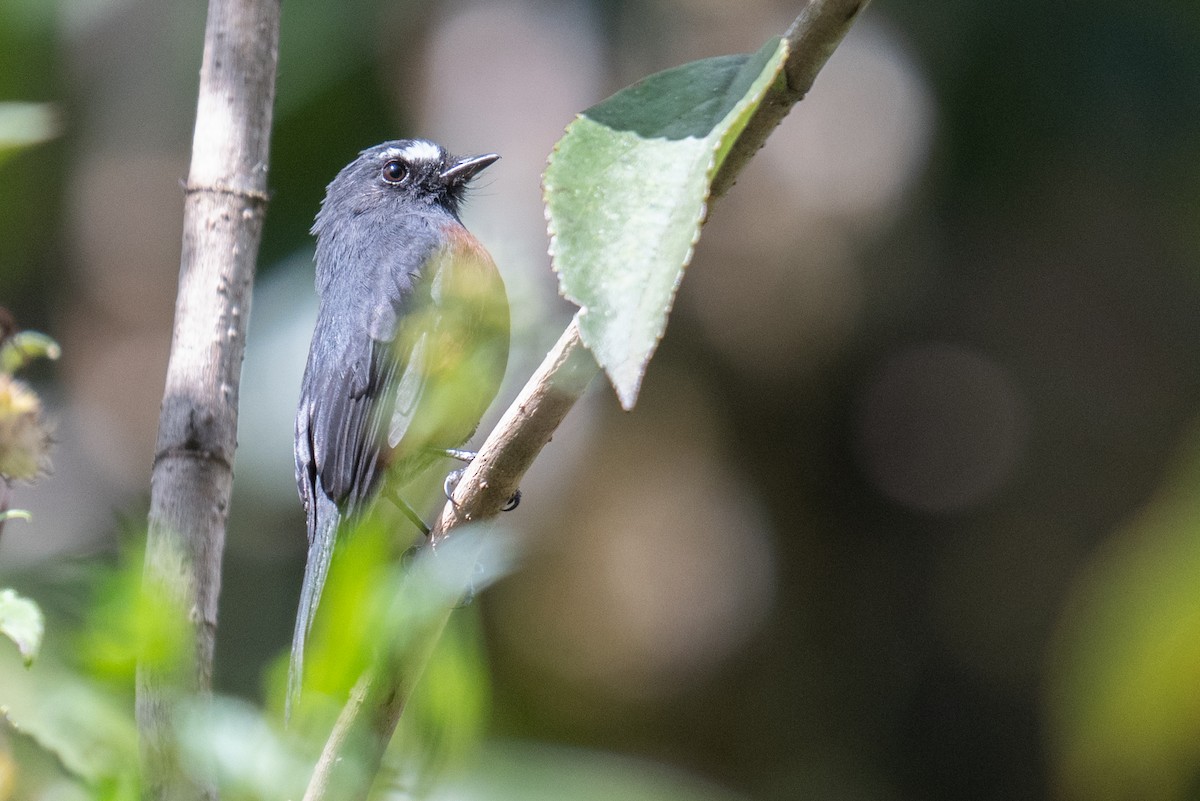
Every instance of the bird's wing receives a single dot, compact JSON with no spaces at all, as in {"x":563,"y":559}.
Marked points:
{"x":332,"y":445}
{"x":346,"y":399}
{"x":351,"y":394}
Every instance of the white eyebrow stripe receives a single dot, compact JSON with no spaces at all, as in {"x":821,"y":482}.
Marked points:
{"x":417,"y":150}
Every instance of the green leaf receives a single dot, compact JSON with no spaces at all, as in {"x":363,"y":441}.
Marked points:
{"x":25,"y":346}
{"x":626,"y":192}
{"x":25,"y":124}
{"x":91,"y":733}
{"x":21,"y":621}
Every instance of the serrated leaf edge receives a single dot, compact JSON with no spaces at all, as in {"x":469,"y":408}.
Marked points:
{"x":628,"y":396}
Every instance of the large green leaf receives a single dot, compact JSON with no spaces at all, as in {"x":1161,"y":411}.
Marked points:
{"x":626,"y":192}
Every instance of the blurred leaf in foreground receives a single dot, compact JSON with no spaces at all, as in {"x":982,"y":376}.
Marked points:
{"x":131,"y":622}
{"x":398,"y":616}
{"x":90,"y":732}
{"x":24,"y":435}
{"x":25,"y":124}
{"x":626,"y":193}
{"x":25,"y":346}
{"x":250,"y":759}
{"x":531,"y":772}
{"x":21,"y":621}
{"x":445,"y":719}
{"x":1123,"y":691}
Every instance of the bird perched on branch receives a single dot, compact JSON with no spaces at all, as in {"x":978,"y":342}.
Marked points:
{"x":410,"y":345}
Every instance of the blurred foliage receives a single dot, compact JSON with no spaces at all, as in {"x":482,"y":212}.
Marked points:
{"x":24,"y":346}
{"x":533,"y":772}
{"x":24,"y":456}
{"x":73,"y":731}
{"x":24,"y":433}
{"x":24,"y":437}
{"x":21,"y":621}
{"x":23,"y":124}
{"x":130,"y":622}
{"x":1123,"y":694}
{"x":76,"y":705}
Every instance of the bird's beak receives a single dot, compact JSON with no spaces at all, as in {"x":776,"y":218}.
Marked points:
{"x":467,"y":168}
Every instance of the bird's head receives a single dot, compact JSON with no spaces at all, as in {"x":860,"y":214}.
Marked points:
{"x":405,"y":175}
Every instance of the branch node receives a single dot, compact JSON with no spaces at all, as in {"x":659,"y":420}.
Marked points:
{"x":186,"y":453}
{"x":250,"y":195}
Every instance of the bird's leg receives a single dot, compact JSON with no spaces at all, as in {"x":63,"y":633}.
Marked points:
{"x":454,"y":476}
{"x":407,"y":510}
{"x":456,"y":453}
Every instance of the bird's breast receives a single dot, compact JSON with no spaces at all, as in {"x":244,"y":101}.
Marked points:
{"x":455,"y":347}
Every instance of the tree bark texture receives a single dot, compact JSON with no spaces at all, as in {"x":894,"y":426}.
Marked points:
{"x":193,"y":462}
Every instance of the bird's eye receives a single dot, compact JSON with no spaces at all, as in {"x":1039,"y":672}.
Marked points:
{"x":394,"y":172}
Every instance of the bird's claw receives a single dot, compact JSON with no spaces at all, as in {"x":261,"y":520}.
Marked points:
{"x":512,"y":503}
{"x":451,"y":483}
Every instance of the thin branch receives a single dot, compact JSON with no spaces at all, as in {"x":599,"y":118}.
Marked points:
{"x":323,"y":778}
{"x":495,"y":473}
{"x":193,"y":464}
{"x":491,"y":479}
{"x":812,"y":38}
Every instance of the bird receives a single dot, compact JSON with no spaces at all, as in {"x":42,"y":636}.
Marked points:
{"x":409,"y":347}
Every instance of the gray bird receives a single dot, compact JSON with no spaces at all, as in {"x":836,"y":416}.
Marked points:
{"x":410,"y":345}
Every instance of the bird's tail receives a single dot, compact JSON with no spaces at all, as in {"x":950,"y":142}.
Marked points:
{"x":323,"y":526}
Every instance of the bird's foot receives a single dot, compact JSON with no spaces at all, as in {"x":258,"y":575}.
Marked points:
{"x":460,"y":454}
{"x":451,"y":482}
